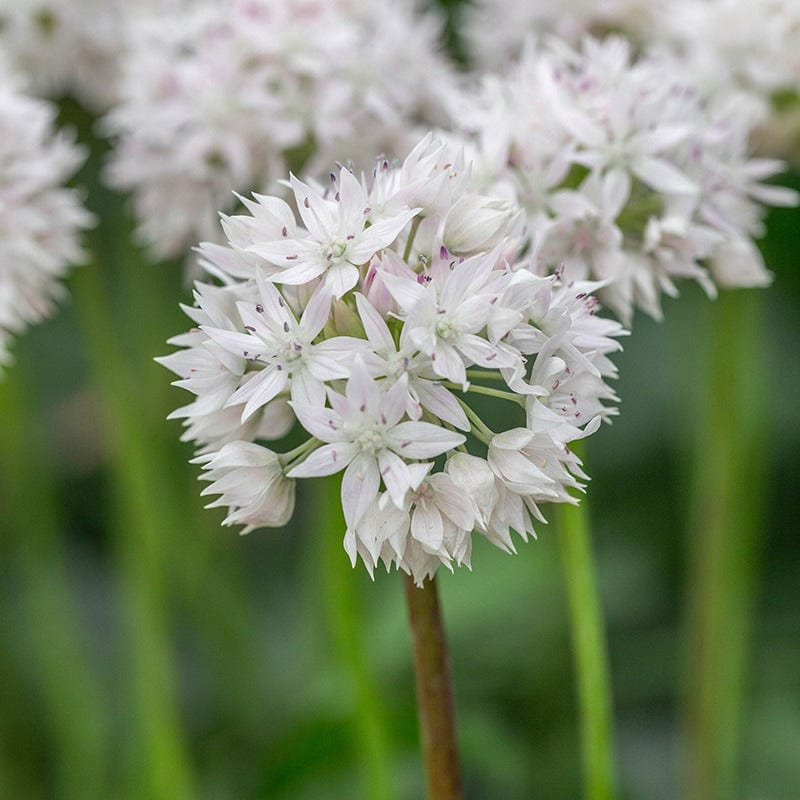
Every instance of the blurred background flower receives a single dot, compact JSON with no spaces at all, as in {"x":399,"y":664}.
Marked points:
{"x":148,"y":653}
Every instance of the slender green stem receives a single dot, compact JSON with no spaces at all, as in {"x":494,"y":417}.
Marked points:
{"x":435,"y":703}
{"x":33,"y":548}
{"x":488,"y":391}
{"x":484,"y":375}
{"x":338,"y":583}
{"x":412,"y":234}
{"x":482,"y":431}
{"x":728,"y":500}
{"x":299,"y":452}
{"x":160,"y":767}
{"x":590,"y":654}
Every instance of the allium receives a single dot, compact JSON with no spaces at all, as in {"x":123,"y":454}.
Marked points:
{"x":231,"y":95}
{"x":628,"y":174}
{"x":40,"y":220}
{"x":70,"y":46}
{"x":374,"y":313}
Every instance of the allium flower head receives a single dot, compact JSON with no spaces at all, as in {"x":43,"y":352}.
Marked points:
{"x":374,"y":313}
{"x":40,"y":220}
{"x":70,"y":46}
{"x":628,"y":174}
{"x":229,"y":96}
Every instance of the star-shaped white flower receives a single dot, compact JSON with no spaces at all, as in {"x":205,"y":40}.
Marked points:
{"x":364,"y":435}
{"x":282,"y":350}
{"x":338,"y":239}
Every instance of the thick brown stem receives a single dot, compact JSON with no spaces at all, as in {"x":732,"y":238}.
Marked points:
{"x":437,"y":722}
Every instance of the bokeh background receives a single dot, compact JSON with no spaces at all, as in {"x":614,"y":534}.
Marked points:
{"x":145,"y":652}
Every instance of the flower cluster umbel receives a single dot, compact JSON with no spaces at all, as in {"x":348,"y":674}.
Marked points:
{"x":376,"y":320}
{"x":221,"y":96}
{"x":627,"y":172}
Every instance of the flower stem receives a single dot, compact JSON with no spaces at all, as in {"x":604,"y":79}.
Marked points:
{"x":412,"y":234}
{"x":484,"y":375}
{"x":481,"y":430}
{"x":437,"y":723}
{"x":589,"y":648}
{"x":488,"y":391}
{"x":729,"y":489}
{"x":34,"y":554}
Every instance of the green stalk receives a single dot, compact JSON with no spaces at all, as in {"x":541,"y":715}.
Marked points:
{"x":159,"y":767}
{"x":595,"y":703}
{"x":338,"y":583}
{"x":728,"y":502}
{"x":435,"y":703}
{"x":70,"y":692}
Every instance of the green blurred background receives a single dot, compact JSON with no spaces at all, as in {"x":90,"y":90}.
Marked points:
{"x":148,"y":653}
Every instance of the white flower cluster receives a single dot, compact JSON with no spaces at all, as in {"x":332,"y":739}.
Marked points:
{"x":376,"y":320}
{"x":230,"y":96}
{"x":496,"y":30}
{"x":627,"y":174}
{"x":40,"y":220}
{"x":69,"y":46}
{"x":749,"y":51}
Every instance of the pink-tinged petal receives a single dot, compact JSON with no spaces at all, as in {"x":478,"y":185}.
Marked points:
{"x":427,"y":527}
{"x":446,"y":361}
{"x":281,"y":252}
{"x":273,"y":307}
{"x":240,"y":344}
{"x":396,"y":476}
{"x":362,"y":392}
{"x":513,"y":439}
{"x":615,"y":189}
{"x":359,"y":488}
{"x":327,"y":460}
{"x":341,"y":278}
{"x":317,"y":214}
{"x":273,"y":211}
{"x":407,"y":293}
{"x":325,"y":367}
{"x":418,"y":473}
{"x":267,"y":386}
{"x":317,"y":312}
{"x":307,"y":390}
{"x":324,"y":423}
{"x":661,"y":138}
{"x":486,"y":354}
{"x":393,"y":403}
{"x":441,"y":403}
{"x":303,"y":273}
{"x":377,"y":236}
{"x":661,"y":176}
{"x":352,"y":203}
{"x":422,"y":440}
{"x":374,"y":325}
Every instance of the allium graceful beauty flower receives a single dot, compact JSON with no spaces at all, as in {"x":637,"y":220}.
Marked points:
{"x":70,"y":47}
{"x":627,"y":172}
{"x":375,"y":313}
{"x":230,"y":96}
{"x":40,"y":220}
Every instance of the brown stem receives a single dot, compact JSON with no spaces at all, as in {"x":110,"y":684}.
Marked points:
{"x":437,"y":723}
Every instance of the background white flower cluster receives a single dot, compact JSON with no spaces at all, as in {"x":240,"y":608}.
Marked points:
{"x":217,"y":97}
{"x":372,"y":320}
{"x":628,"y":172}
{"x":40,"y":219}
